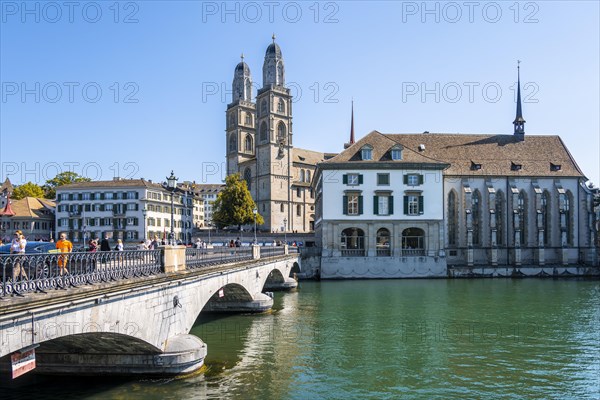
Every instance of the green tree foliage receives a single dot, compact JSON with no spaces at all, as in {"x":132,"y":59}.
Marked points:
{"x":28,"y":189}
{"x":63,"y":178}
{"x":234,"y":204}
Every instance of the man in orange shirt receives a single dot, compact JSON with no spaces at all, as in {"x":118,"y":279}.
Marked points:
{"x":64,"y":246}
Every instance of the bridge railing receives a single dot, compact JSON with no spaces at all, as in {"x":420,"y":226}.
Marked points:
{"x":272,"y":251}
{"x":39,"y":272}
{"x":198,"y":258}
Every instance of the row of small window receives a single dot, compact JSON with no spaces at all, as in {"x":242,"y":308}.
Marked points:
{"x":167,"y":223}
{"x":76,"y":236}
{"x":366,"y":153}
{"x":300,"y":190}
{"x":78,"y":208}
{"x":76,"y":223}
{"x":299,"y":208}
{"x":383,"y":204}
{"x":98,"y":196}
{"x":263,"y":110}
{"x":383,"y":179}
{"x":5,"y":226}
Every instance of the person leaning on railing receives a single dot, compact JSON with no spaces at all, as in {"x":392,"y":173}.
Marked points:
{"x":17,"y":246}
{"x":64,"y":246}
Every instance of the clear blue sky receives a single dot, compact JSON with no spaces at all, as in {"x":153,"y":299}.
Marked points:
{"x":172,"y":61}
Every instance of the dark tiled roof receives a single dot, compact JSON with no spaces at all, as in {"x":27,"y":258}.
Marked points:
{"x":121,"y":183}
{"x":32,"y":207}
{"x":306,"y":156}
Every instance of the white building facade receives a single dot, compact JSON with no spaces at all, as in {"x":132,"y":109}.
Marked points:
{"x":131,"y":210}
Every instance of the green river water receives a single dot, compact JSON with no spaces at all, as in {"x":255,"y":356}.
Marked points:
{"x":384,"y":339}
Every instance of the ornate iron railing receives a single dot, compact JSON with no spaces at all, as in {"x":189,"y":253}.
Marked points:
{"x":38,"y":273}
{"x":273,"y":251}
{"x":198,"y":258}
{"x":353,"y":252}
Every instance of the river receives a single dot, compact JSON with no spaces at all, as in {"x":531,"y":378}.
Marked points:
{"x":384,"y":339}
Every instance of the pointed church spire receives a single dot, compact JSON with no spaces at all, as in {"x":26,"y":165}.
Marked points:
{"x":352,"y":125}
{"x":519,"y":122}
{"x":8,"y":211}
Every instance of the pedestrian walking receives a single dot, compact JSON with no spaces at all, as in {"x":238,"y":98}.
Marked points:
{"x":17,"y":246}
{"x":64,"y":246}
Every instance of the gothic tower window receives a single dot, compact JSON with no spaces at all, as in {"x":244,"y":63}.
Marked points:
{"x":281,"y":106}
{"x":248,"y":119}
{"x":263,"y":107}
{"x":476,"y":210}
{"x":452,"y":219}
{"x":545,"y":211}
{"x":524,"y":216}
{"x":499,"y":218}
{"x":308,"y":175}
{"x":280,"y":74}
{"x":248,"y":178}
{"x":299,"y":210}
{"x":569,"y":217}
{"x":302,"y":177}
{"x":281,"y":132}
{"x":263,"y":132}
{"x":231,"y":120}
{"x":249,"y":145}
{"x":232,"y":143}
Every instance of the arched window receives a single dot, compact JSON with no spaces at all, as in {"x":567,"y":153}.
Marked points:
{"x":249,"y":144}
{"x":280,"y":74}
{"x":281,"y":132}
{"x":299,"y":210}
{"x":413,"y":242}
{"x":524,"y":216}
{"x":264,"y":137}
{"x":302,"y":177}
{"x":248,"y":119}
{"x":476,"y":215}
{"x":452,"y":219}
{"x":231,"y":120}
{"x":569,"y":217}
{"x":308,"y":175}
{"x":281,"y":106}
{"x":232,"y":143}
{"x":545,"y":211}
{"x":383,"y":243}
{"x":248,"y":178}
{"x":353,"y":242}
{"x":263,"y":107}
{"x":499,"y":211}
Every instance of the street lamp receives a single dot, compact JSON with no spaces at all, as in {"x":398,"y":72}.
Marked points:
{"x":209,"y":229}
{"x":285,"y":230}
{"x":144,"y":213}
{"x":255,"y":211}
{"x":172,"y":185}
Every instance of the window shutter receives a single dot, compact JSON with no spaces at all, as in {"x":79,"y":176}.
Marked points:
{"x":405,"y":204}
{"x":360,"y":179}
{"x":420,"y":179}
{"x":345,"y":205}
{"x":360,"y":204}
{"x":421,"y":210}
{"x":405,"y":180}
{"x":136,"y":206}
{"x":101,"y":207}
{"x":391,"y":204}
{"x":136,"y":195}
{"x":345,"y":179}
{"x":101,"y":196}
{"x":376,"y":205}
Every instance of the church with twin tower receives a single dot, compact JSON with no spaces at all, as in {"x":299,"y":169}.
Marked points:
{"x":259,"y":147}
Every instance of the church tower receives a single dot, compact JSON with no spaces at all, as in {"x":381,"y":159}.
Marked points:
{"x":240,"y":120}
{"x":519,"y":122}
{"x":274,"y":142}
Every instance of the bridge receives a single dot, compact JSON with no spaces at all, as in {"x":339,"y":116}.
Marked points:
{"x":130,"y":312}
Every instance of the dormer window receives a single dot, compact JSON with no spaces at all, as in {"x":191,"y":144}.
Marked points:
{"x":396,"y":153}
{"x":475,"y":166}
{"x":516,"y":167}
{"x":555,"y":167}
{"x":366,"y":153}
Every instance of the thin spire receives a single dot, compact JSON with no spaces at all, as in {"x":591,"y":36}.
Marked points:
{"x":242,"y":56}
{"x":273,"y":37}
{"x":352,"y":124}
{"x":519,"y":122}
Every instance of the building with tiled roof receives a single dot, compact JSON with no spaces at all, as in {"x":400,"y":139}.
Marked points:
{"x":209,"y":193}
{"x":260,"y":148}
{"x":33,"y":216}
{"x":419,"y":203}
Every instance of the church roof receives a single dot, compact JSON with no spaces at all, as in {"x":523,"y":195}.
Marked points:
{"x":273,"y":50}
{"x":475,"y":154}
{"x":115,"y":183}
{"x":304,"y":156}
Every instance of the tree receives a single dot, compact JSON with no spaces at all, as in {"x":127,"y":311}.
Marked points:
{"x":234,"y":204}
{"x":63,"y":178}
{"x":28,"y":189}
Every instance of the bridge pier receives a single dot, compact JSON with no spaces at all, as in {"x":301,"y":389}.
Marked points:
{"x":260,"y":303}
{"x":183,"y":354}
{"x":287,"y":284}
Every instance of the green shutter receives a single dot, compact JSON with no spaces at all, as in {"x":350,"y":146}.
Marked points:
{"x":391,"y":204}
{"x":101,"y":196}
{"x":405,"y":180}
{"x":420,"y":179}
{"x":360,"y":204}
{"x":136,"y":195}
{"x":376,"y":205}
{"x":421,"y":209}
{"x":405,"y":204}
{"x":360,"y":179}
{"x":345,"y":205}
{"x":345,"y":179}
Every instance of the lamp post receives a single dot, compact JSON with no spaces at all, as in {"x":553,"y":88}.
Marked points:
{"x":209,"y":229}
{"x":255,"y":211}
{"x":144,"y":214}
{"x":285,"y":230}
{"x":172,"y":185}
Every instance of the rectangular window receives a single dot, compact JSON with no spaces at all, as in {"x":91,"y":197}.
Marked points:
{"x":131,"y":195}
{"x":352,"y":204}
{"x":352,"y":179}
{"x":383,"y":179}
{"x":85,"y":196}
{"x":413,"y":204}
{"x":108,"y":207}
{"x":132,"y":206}
{"x":108,"y":196}
{"x":396,"y":154}
{"x":158,"y":221}
{"x":298,"y":192}
{"x":413,"y":179}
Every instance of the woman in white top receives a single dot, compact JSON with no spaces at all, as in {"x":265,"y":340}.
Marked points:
{"x":17,"y":246}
